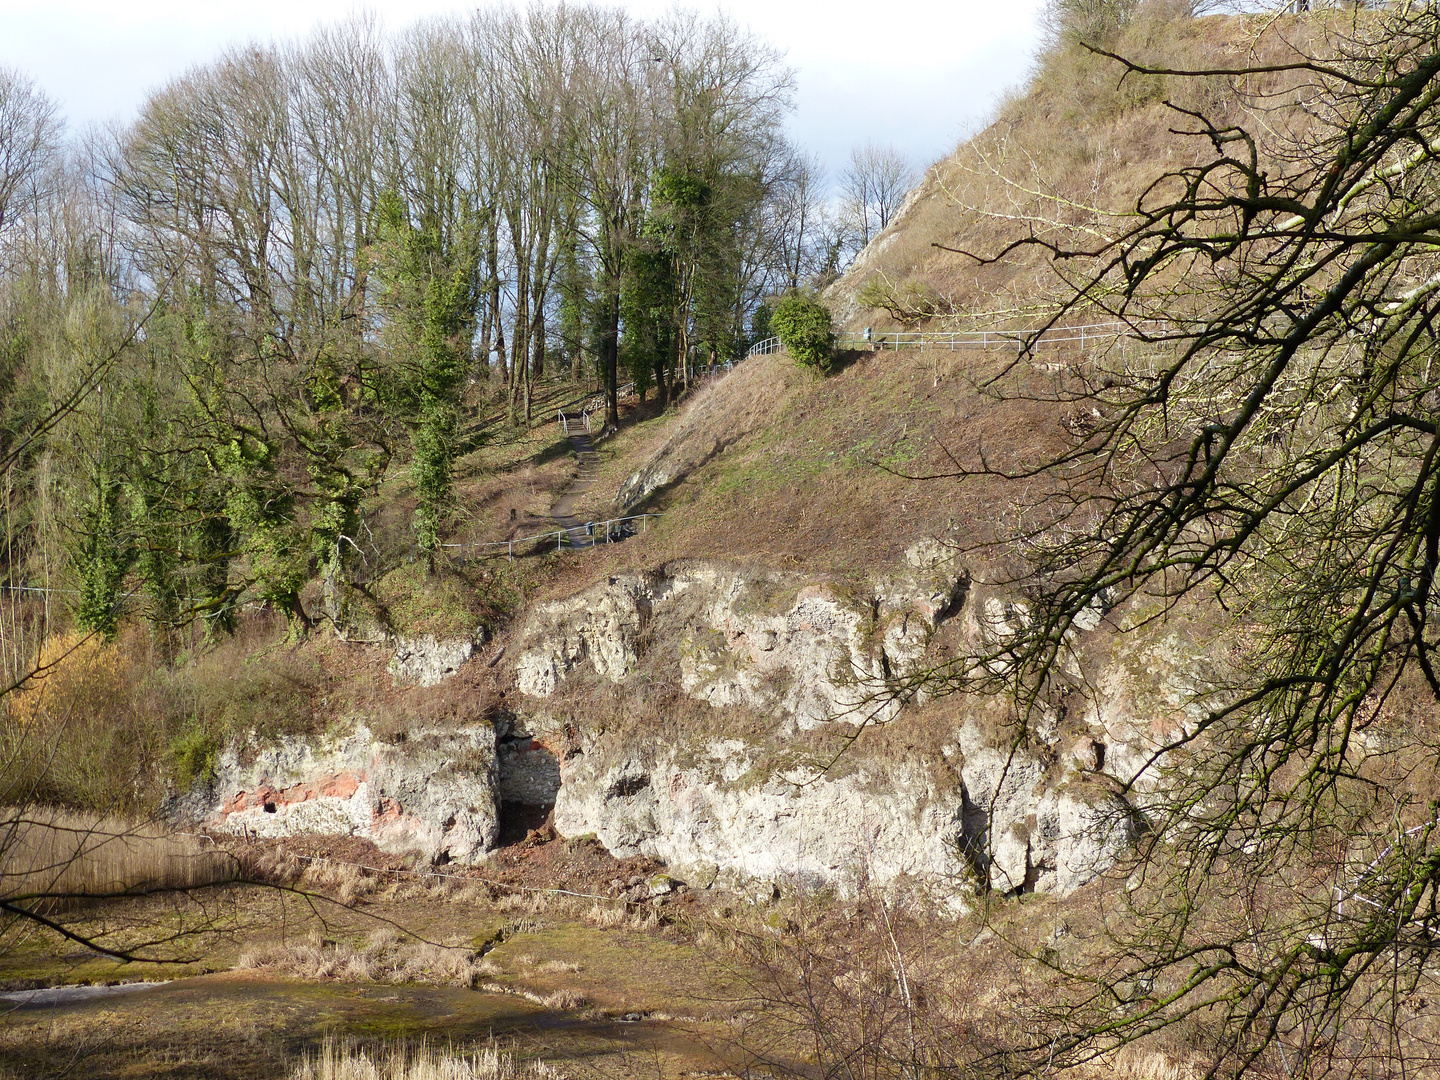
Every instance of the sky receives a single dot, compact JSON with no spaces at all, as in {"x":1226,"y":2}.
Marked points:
{"x":919,"y":74}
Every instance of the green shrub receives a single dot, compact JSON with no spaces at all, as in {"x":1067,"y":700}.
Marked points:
{"x":803,"y":325}
{"x":194,"y":755}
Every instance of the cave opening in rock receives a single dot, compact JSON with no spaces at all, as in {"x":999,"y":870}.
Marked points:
{"x":518,"y":820}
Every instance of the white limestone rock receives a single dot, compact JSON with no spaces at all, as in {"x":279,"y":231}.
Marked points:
{"x":426,"y":661}
{"x":776,"y":643}
{"x":433,"y":793}
{"x":886,"y":826}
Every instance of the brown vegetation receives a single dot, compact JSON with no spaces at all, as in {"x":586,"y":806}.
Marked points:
{"x":53,"y":859}
{"x":337,"y":1060}
{"x":384,"y":956}
{"x":1079,"y":144}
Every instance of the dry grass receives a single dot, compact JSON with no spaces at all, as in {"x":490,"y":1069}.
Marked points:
{"x":1136,"y":1063}
{"x":1078,"y":143}
{"x":67,"y":856}
{"x":564,"y":1000}
{"x":384,"y":956}
{"x":606,"y":916}
{"x":337,"y":1060}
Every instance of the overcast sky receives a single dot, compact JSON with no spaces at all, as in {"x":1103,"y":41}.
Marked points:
{"x":916,"y":73}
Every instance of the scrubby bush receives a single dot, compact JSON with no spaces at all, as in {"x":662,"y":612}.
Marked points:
{"x":803,"y":325}
{"x":911,"y":301}
{"x":195,"y":755}
{"x":111,"y":725}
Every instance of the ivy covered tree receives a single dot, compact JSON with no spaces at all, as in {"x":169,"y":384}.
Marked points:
{"x":431,"y":288}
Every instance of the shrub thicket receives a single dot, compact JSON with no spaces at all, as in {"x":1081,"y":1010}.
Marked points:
{"x":110,"y":726}
{"x":803,"y":325}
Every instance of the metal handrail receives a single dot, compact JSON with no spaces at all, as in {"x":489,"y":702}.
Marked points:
{"x":561,"y":536}
{"x":965,"y":339}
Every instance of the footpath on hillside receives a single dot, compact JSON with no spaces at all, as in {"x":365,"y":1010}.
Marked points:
{"x":579,"y":533}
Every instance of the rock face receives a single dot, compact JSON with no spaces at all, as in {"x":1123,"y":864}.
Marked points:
{"x":433,"y":793}
{"x":944,"y":825}
{"x":1035,"y":818}
{"x":426,"y":661}
{"x":776,"y":643}
{"x":716,"y":820}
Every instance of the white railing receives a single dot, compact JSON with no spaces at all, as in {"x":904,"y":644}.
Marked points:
{"x":596,"y":532}
{"x":985,"y":339}
{"x":590,"y":408}
{"x":582,"y":420}
{"x":967,"y":339}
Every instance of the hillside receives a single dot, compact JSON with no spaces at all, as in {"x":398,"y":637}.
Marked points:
{"x":1064,"y":161}
{"x":768,"y":777}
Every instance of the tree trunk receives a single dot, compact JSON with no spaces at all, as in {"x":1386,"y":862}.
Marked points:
{"x":610,"y":353}
{"x":496,"y":314}
{"x":519,"y":344}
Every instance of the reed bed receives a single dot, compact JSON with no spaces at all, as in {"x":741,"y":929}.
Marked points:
{"x":336,"y":1060}
{"x":57,"y":857}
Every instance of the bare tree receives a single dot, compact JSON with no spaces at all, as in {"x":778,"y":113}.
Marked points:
{"x":798,"y":217}
{"x":30,"y":131}
{"x":874,"y":185}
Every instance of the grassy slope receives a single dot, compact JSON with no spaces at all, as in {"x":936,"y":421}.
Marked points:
{"x":817,"y":473}
{"x":1079,"y":143}
{"x":794,"y":470}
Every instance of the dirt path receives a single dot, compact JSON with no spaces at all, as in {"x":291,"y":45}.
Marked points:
{"x":562,"y":513}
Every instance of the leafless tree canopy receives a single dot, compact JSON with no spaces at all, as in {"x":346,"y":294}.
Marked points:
{"x":874,"y":185}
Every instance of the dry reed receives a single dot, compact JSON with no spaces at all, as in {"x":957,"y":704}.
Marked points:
{"x":57,"y":857}
{"x":383,"y":957}
{"x":347,"y":1061}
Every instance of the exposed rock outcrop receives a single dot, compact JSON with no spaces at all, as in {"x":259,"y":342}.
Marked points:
{"x":719,"y":820}
{"x":1042,"y":816}
{"x":811,"y":652}
{"x":433,"y":793}
{"x":426,"y":661}
{"x":989,"y":817}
